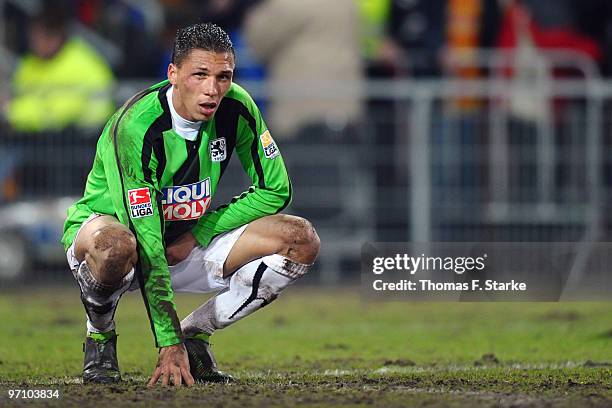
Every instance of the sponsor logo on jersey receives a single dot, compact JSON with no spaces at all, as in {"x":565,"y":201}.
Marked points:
{"x":140,"y":202}
{"x":269,"y":147}
{"x":188,"y":202}
{"x":218,"y":150}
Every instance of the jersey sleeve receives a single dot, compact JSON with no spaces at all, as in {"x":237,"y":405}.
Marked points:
{"x":136,"y":198}
{"x":270,"y":191}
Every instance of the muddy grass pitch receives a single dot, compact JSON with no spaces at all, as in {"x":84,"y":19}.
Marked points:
{"x":327,"y":348}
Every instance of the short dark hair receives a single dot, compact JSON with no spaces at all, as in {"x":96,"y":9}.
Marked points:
{"x":205,"y":36}
{"x":53,"y":18}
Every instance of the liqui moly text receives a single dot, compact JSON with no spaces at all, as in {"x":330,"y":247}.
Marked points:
{"x":188,"y":202}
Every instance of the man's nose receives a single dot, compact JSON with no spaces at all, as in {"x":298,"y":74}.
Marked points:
{"x":210,"y":86}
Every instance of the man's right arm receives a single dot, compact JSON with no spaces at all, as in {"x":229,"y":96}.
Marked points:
{"x":136,"y":199}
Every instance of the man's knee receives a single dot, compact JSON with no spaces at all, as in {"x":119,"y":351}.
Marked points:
{"x":300,"y":237}
{"x":111,"y":253}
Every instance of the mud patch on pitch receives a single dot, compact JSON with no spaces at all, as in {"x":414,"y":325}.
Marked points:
{"x":401,"y":362}
{"x":335,"y":346}
{"x":393,"y":387}
{"x":607,"y":334}
{"x":488,"y":359}
{"x":562,"y":316}
{"x":590,"y":363}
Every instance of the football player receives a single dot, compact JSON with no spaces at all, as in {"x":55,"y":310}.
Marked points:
{"x":144,"y":220}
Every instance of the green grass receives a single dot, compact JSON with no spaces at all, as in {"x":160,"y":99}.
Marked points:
{"x":327,"y":347}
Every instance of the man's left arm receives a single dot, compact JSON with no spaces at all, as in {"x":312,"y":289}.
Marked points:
{"x":270,"y":191}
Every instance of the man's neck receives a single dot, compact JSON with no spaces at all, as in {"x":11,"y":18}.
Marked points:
{"x":185,"y":128}
{"x":179,"y":106}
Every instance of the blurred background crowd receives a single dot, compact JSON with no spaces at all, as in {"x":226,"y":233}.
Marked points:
{"x":91,"y":43}
{"x":399,"y":119}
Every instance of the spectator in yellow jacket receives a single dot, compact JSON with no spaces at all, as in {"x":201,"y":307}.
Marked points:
{"x":61,"y":82}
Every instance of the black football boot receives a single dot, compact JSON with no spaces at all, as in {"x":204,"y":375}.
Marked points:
{"x":202,"y":364}
{"x":100,"y":364}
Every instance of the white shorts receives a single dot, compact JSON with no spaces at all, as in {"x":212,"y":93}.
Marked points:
{"x":200,"y":272}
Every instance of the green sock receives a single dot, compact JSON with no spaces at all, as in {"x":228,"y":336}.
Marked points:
{"x":102,"y":337}
{"x":201,"y":336}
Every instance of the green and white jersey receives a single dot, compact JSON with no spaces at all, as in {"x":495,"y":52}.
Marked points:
{"x":160,"y":185}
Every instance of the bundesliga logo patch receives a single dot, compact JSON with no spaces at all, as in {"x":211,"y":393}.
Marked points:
{"x":269,"y":147}
{"x":140,"y":202}
{"x":188,"y":202}
{"x":218,"y":150}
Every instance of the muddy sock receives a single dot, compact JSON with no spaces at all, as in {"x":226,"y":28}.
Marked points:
{"x":100,"y":300}
{"x":251,"y":287}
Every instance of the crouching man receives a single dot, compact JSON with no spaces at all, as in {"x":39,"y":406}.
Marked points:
{"x":144,"y":220}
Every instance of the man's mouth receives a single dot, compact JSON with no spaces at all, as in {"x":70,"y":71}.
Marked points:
{"x":208,"y":108}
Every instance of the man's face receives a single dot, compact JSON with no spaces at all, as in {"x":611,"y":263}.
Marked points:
{"x":200,"y":82}
{"x":45,"y":43}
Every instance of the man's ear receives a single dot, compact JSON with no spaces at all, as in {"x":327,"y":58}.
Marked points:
{"x":172,"y":73}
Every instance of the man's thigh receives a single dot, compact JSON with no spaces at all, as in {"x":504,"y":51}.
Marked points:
{"x":206,"y":269}
{"x":202,"y":270}
{"x":262,"y":237}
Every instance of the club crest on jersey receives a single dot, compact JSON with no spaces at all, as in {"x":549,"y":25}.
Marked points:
{"x":218,"y":151}
{"x":268,"y":144}
{"x":188,"y":202}
{"x":140,"y":202}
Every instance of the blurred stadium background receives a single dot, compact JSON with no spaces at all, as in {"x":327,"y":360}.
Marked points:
{"x":399,"y":120}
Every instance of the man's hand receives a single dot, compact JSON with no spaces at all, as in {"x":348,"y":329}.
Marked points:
{"x":181,"y":248}
{"x":172,"y":367}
